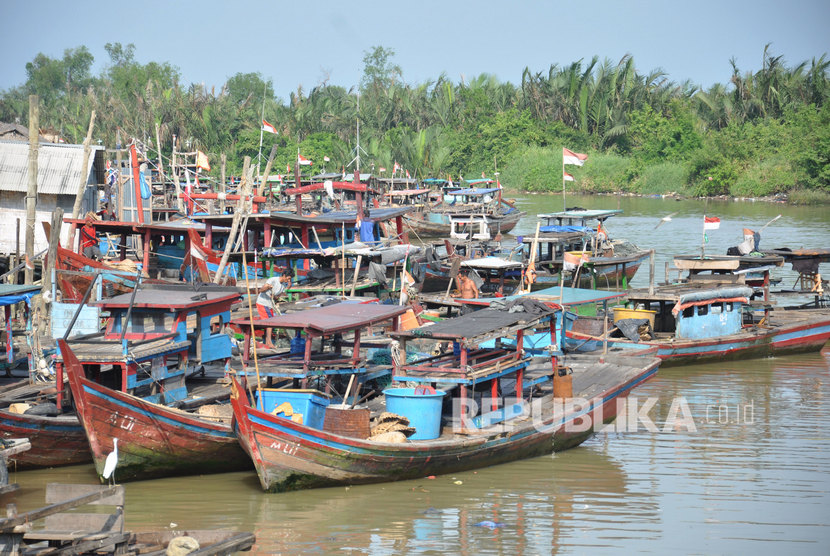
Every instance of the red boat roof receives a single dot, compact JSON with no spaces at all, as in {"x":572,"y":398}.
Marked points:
{"x":331,"y":318}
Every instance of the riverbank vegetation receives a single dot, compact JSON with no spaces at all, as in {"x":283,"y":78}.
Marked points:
{"x":759,"y":134}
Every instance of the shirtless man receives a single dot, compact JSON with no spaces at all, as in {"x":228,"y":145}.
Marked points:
{"x":467,"y":289}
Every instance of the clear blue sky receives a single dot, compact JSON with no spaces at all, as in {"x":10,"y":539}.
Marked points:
{"x":303,"y":43}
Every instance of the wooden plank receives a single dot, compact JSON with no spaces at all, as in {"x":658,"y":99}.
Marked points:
{"x":80,"y":546}
{"x":104,"y":492}
{"x":57,"y":492}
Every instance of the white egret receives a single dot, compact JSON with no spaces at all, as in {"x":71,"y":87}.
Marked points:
{"x":665,"y":219}
{"x":111,"y":462}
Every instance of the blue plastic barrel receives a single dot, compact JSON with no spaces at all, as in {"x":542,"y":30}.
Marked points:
{"x":422,"y":409}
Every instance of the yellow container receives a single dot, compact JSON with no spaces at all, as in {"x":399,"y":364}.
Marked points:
{"x":626,"y":313}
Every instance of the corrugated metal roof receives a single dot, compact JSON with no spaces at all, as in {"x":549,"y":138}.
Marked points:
{"x":58,"y":167}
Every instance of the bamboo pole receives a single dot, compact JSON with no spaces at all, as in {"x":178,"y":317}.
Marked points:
{"x":179,"y":200}
{"x":268,"y":165}
{"x":84,"y":181}
{"x":119,"y":184}
{"x":223,"y":188}
{"x":31,"y":195}
{"x":237,"y":215}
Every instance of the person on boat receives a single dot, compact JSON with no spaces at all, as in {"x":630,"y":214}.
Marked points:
{"x":467,"y":288}
{"x":89,"y":243}
{"x":269,"y":293}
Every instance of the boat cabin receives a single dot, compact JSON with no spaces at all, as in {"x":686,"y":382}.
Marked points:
{"x":154,"y":338}
{"x":477,"y":359}
{"x":688,"y":312}
{"x":578,"y":217}
{"x":319,"y":348}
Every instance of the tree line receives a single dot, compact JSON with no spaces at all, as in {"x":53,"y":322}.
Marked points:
{"x":762,"y":133}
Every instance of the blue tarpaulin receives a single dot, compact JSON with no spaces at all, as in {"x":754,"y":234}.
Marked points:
{"x":11,"y":294}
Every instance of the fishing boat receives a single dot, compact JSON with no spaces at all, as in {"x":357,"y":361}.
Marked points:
{"x":688,"y":323}
{"x":155,"y":340}
{"x":289,"y":455}
{"x":436,"y":221}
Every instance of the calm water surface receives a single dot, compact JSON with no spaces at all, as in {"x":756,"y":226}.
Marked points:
{"x":749,"y":473}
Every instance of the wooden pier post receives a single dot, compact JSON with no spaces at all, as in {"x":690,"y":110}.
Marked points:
{"x":79,"y":196}
{"x":31,"y":194}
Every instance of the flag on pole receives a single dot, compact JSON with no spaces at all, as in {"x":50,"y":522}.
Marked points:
{"x":202,"y":161}
{"x":303,"y":161}
{"x":268,"y":127}
{"x":326,"y":159}
{"x":407,"y":174}
{"x":711,"y":223}
{"x":381,"y":169}
{"x":570,"y":157}
{"x":287,"y":168}
{"x":396,"y":168}
{"x":567,"y":177}
{"x":482,"y":175}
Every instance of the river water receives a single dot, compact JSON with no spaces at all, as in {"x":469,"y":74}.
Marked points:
{"x":748,"y":472}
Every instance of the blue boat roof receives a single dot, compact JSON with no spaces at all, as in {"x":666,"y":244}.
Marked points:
{"x":564,"y":229}
{"x":569,"y":296}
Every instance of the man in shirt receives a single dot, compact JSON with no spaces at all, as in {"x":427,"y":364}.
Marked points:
{"x":265,"y":301}
{"x":89,"y":243}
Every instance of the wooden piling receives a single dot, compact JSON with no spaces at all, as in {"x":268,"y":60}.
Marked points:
{"x":31,"y":194}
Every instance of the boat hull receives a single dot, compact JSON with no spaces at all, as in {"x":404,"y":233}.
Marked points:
{"x":55,"y":441}
{"x":806,"y":334}
{"x":154,"y":441}
{"x":290,"y":456}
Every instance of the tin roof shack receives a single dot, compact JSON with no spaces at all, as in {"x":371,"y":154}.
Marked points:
{"x":59,"y":173}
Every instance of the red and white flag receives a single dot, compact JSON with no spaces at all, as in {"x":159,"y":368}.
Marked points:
{"x":381,"y":169}
{"x":396,"y":168}
{"x":567,"y":177}
{"x":407,"y":174}
{"x":268,"y":127}
{"x":482,"y":175}
{"x":303,"y":161}
{"x":570,"y":157}
{"x":711,"y":223}
{"x":326,"y":159}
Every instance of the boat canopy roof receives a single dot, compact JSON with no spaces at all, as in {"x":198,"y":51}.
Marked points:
{"x":170,"y":298}
{"x":598,"y":214}
{"x":11,"y":294}
{"x":407,"y":192}
{"x":567,"y":297}
{"x":686,"y":293}
{"x":478,"y":326}
{"x":491,"y":263}
{"x":289,"y":219}
{"x":562,"y":229}
{"x":473,"y":191}
{"x":331,"y":318}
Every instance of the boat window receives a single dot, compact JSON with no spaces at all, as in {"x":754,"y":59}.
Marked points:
{"x":728,"y":306}
{"x":688,"y":312}
{"x":717,"y":308}
{"x":703,"y":310}
{"x":216,"y":324}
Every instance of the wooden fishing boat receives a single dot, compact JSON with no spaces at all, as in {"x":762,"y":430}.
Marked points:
{"x":154,"y":440}
{"x":437,"y":220}
{"x":688,"y":324}
{"x":290,"y":455}
{"x":153,"y":341}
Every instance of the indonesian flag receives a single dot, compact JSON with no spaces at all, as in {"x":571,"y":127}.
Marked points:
{"x":482,"y":175}
{"x":268,"y":127}
{"x":396,"y":168}
{"x":570,"y":157}
{"x":202,"y":161}
{"x":287,"y":168}
{"x":449,"y":182}
{"x":711,"y":223}
{"x":303,"y":161}
{"x":407,"y":174}
{"x":498,"y":183}
{"x":326,"y":159}
{"x":567,"y":177}
{"x":381,"y":169}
